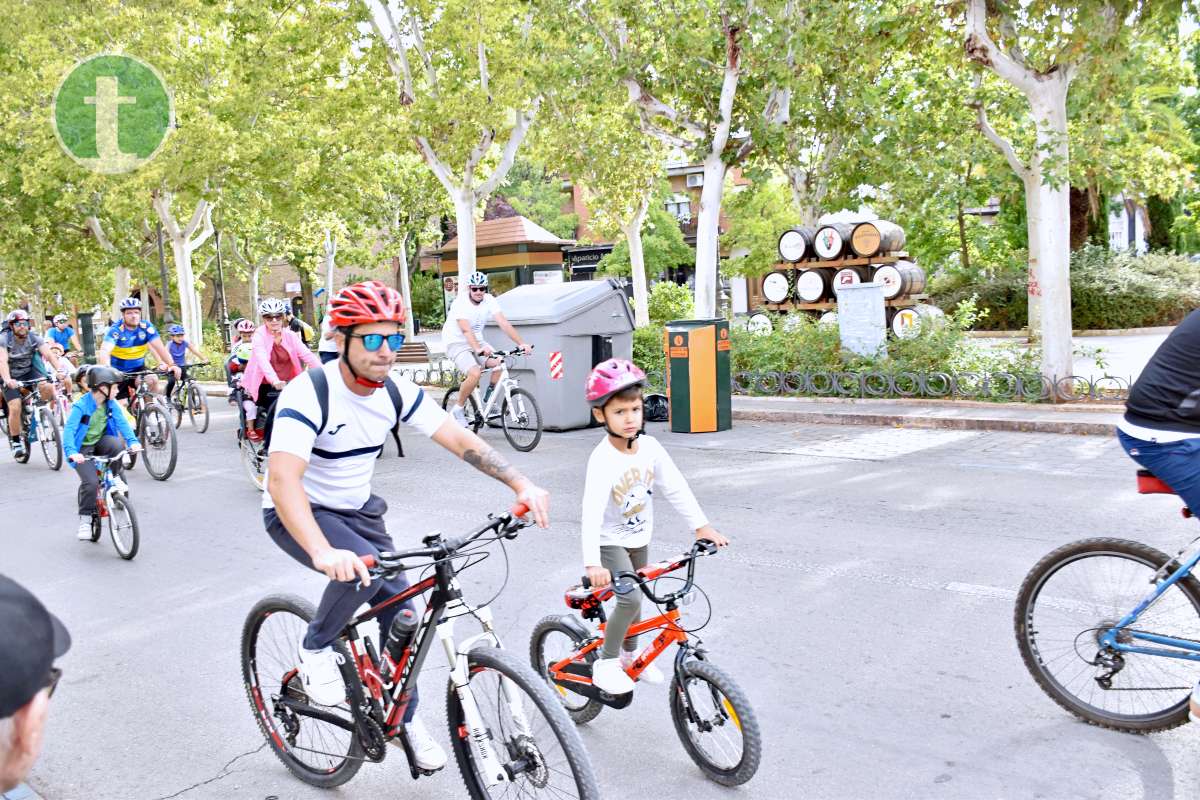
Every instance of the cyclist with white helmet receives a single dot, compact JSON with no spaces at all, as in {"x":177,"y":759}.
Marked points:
{"x":276,"y":356}
{"x":462,"y":335}
{"x":18,"y":345}
{"x":128,"y":342}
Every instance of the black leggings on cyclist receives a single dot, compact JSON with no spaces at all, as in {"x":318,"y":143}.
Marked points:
{"x":89,"y":479}
{"x":183,"y":376}
{"x":265,"y":402}
{"x":361,"y":531}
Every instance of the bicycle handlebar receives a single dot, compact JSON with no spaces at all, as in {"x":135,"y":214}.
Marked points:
{"x":106,"y":459}
{"x":506,"y":525}
{"x":702,"y":547}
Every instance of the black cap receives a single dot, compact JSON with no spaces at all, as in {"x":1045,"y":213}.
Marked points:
{"x":30,"y":639}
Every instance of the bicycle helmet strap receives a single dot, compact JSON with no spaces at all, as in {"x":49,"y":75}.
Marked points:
{"x":359,"y":379}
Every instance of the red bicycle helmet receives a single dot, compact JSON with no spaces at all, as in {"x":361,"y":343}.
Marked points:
{"x":611,"y":376}
{"x":364,"y":303}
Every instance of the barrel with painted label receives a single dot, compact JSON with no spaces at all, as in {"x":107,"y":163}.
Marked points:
{"x":699,"y":389}
{"x":876,"y":237}
{"x":813,"y":285}
{"x":776,"y":287}
{"x":795,"y":244}
{"x":848,"y":276}
{"x":900,"y":279}
{"x":909,"y":323}
{"x":759,"y":324}
{"x":832,"y":240}
{"x":828,"y":320}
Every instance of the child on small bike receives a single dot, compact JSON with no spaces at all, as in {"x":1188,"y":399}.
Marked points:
{"x":618,"y":509}
{"x":92,"y":429}
{"x":179,"y":347}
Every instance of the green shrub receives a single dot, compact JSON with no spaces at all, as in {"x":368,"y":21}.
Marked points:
{"x":427,"y":300}
{"x":648,"y":348}
{"x":669,"y":301}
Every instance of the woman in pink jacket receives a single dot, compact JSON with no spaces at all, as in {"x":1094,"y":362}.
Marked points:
{"x":277,"y":355}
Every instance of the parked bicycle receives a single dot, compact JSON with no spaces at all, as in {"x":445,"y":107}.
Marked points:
{"x":514,"y":407}
{"x":511,"y":738}
{"x":189,"y":395}
{"x":1110,"y":628}
{"x":712,"y":715}
{"x":155,"y":429}
{"x":112,"y":503}
{"x":40,"y":426}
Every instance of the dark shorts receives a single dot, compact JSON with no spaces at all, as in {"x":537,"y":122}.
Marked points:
{"x":15,"y":394}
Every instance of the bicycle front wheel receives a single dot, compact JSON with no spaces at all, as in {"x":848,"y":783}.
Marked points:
{"x":716,"y":724}
{"x":50,"y":437}
{"x":122,"y":526}
{"x":316,"y":751}
{"x":1076,"y":594}
{"x":197,"y":404}
{"x":526,"y":728}
{"x":160,"y":446}
{"x":522,"y":420}
{"x":254,"y":461}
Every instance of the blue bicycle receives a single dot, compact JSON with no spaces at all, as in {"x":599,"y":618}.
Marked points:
{"x":1110,"y":628}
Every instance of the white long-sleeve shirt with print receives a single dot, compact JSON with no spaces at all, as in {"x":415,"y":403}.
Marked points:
{"x":618,"y":496}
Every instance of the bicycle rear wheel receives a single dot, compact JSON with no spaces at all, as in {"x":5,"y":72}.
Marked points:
{"x":315,"y":751}
{"x":50,"y":438}
{"x":123,"y":526}
{"x":1071,"y":598}
{"x":552,"y":641}
{"x":470,"y":409}
{"x":522,"y":420}
{"x":527,"y":728}
{"x":197,"y":404}
{"x":160,"y":445}
{"x":254,"y":461}
{"x":716,"y":725}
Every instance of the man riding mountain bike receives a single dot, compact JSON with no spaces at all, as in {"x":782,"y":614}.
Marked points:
{"x":18,"y":345}
{"x":462,"y":334}
{"x":329,"y":424}
{"x":126,"y":344}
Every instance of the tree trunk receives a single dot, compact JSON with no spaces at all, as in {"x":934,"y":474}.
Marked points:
{"x":255,"y":270}
{"x":464,"y":220}
{"x":807,"y":195}
{"x":405,"y":292}
{"x":637,"y":264}
{"x":120,"y":289}
{"x":708,"y":255}
{"x":330,"y":252}
{"x":189,"y":314}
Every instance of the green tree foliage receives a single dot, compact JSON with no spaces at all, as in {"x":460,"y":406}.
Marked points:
{"x":662,"y":246}
{"x":757,"y":214}
{"x":537,"y":194}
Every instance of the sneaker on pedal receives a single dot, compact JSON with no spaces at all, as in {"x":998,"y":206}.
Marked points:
{"x":460,"y":416}
{"x":320,"y":676}
{"x":84,"y":532}
{"x":649,"y":674}
{"x":609,"y":676}
{"x":427,"y":753}
{"x":18,"y":448}
{"x":254,"y":434}
{"x":1194,"y":704}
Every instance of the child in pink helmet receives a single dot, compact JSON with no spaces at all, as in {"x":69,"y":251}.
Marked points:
{"x":623,"y":473}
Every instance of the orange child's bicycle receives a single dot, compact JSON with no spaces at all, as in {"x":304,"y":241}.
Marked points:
{"x":712,"y":716}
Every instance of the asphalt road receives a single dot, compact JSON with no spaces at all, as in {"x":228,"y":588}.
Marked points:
{"x":865,"y":606}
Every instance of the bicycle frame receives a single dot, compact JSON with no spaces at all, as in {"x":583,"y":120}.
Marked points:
{"x":672,"y":633}
{"x":506,"y":384}
{"x":1184,"y":649}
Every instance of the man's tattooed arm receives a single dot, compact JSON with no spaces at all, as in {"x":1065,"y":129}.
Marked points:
{"x":489,"y":462}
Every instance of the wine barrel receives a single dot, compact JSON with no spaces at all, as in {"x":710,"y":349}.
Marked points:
{"x":909,"y":323}
{"x":872,"y":238}
{"x":793,"y":322}
{"x":900,"y":279}
{"x":796,"y":244}
{"x":759,"y":323}
{"x":776,"y":287}
{"x":832,"y":240}
{"x":828,"y":320}
{"x":849,"y":276}
{"x":812,"y":285}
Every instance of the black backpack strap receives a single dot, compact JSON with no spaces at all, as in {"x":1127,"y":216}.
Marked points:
{"x":321,"y":387}
{"x":394,"y":392}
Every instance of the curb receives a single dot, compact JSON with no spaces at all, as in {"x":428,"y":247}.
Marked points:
{"x":1024,"y":333}
{"x":1073,"y":427}
{"x":1060,"y":408}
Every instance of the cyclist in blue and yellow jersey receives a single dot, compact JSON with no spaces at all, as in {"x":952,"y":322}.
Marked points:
{"x":127,"y":343}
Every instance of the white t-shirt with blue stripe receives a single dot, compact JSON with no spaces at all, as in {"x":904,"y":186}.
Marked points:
{"x":341,"y":461}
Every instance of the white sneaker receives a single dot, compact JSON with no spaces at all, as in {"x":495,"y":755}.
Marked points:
{"x":320,"y":676}
{"x":428,"y":754}
{"x":649,"y":674}
{"x":84,"y":532}
{"x":608,"y":675}
{"x":460,"y":416}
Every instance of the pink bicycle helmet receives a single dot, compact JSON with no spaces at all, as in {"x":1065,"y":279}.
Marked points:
{"x":612,"y":376}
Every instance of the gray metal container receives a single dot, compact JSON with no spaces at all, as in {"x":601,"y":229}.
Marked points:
{"x":572,"y":327}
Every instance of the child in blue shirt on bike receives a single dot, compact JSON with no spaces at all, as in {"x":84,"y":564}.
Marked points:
{"x":93,"y":428}
{"x":178,"y":347}
{"x":618,"y":511}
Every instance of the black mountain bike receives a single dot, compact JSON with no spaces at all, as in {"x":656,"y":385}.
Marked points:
{"x":155,"y":429}
{"x":509,"y":734}
{"x":190,"y":396}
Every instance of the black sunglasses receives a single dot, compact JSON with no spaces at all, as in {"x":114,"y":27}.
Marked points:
{"x":52,"y":683}
{"x":478,"y":289}
{"x":272,"y":316}
{"x":373,"y":341}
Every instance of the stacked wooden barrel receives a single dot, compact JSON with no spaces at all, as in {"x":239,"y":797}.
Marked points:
{"x":815,"y":261}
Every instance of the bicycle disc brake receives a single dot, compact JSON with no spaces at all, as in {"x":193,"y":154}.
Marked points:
{"x":527,"y":759}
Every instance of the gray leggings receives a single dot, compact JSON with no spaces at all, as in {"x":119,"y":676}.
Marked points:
{"x":629,"y":606}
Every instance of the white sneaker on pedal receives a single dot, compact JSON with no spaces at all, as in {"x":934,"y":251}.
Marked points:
{"x":427,"y":753}
{"x":609,"y":675}
{"x":321,"y":677}
{"x":460,"y":416}
{"x":649,"y":674}
{"x":84,"y":532}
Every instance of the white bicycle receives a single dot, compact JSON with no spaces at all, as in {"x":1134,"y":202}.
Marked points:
{"x":510,"y":406}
